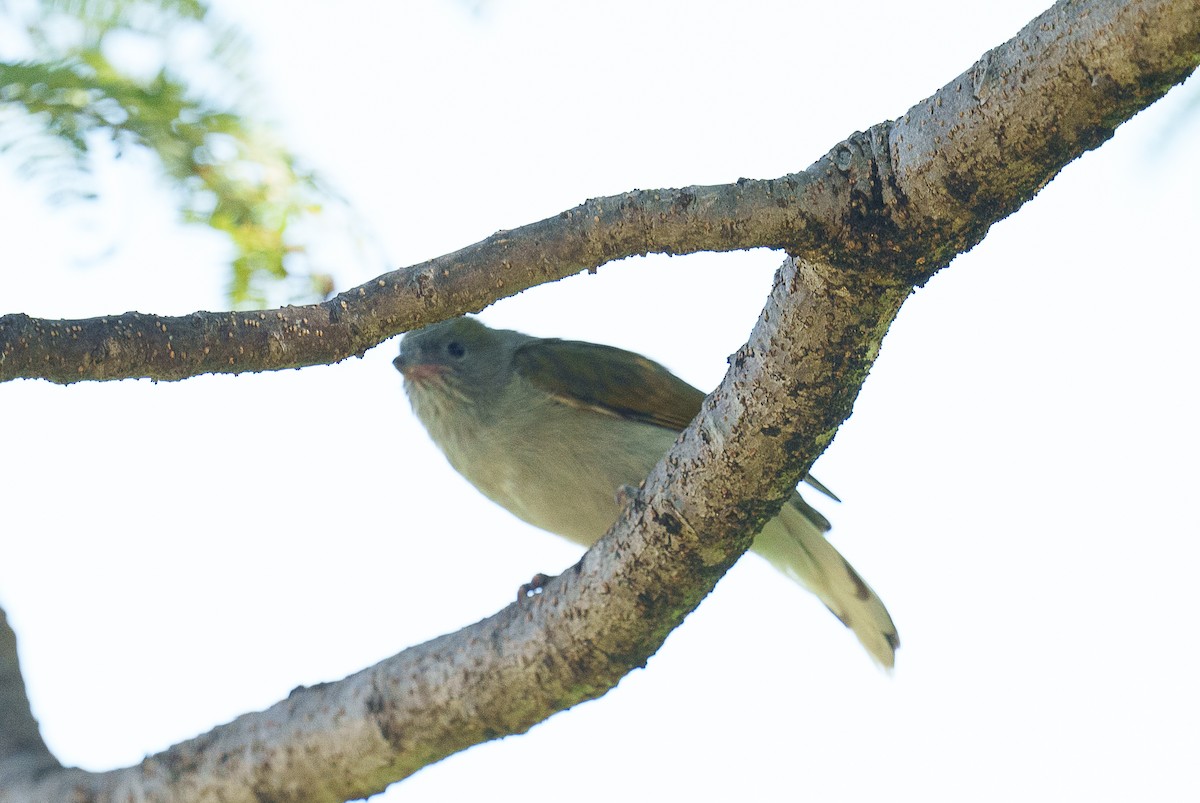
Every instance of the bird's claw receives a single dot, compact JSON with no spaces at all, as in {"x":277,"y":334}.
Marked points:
{"x":534,"y":587}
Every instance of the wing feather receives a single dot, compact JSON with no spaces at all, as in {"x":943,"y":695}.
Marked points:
{"x":609,"y":380}
{"x":616,"y":382}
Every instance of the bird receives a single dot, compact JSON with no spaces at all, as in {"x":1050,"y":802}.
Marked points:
{"x":553,"y":430}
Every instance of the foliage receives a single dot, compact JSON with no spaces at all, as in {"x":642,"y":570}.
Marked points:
{"x":163,"y":76}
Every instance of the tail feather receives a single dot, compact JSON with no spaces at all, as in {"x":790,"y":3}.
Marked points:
{"x":794,"y":543}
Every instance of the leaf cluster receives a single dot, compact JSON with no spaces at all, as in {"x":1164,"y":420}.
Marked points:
{"x":88,"y":77}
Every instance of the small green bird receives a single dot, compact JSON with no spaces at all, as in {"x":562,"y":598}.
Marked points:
{"x":552,"y":430}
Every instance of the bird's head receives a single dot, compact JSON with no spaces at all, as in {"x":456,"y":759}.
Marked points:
{"x":459,"y":362}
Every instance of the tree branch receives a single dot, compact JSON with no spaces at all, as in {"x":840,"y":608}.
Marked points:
{"x":872,"y":219}
{"x":899,"y":200}
{"x":789,"y":389}
{"x":23,"y":754}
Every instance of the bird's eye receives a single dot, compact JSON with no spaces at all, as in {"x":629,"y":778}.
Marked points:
{"x":456,"y":349}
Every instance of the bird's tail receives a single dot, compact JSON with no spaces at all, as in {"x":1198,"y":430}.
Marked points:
{"x":794,"y":542}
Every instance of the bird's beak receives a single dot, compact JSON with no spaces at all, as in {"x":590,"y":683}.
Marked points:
{"x":415,"y":371}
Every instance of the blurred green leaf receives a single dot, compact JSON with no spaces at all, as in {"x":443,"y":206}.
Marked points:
{"x":110,"y":69}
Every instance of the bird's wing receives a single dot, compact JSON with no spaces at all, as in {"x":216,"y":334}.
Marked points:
{"x":609,"y":380}
{"x":616,"y":382}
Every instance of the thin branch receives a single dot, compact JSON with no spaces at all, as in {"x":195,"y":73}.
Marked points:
{"x":891,"y":206}
{"x":899,"y":201}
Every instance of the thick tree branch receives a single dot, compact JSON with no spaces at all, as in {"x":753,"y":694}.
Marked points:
{"x":872,"y":219}
{"x":23,"y":754}
{"x":788,"y":390}
{"x":900,"y":200}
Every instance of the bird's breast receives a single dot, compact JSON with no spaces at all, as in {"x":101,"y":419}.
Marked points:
{"x":557,"y":467}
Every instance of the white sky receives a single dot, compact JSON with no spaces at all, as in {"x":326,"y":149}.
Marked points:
{"x":1019,"y":474}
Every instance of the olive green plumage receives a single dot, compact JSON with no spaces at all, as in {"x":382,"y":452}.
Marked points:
{"x":552,"y":429}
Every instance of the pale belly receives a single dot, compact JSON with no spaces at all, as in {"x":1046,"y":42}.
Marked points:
{"x":566,"y":485}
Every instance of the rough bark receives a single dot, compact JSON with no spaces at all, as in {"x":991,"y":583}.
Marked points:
{"x":865,"y":224}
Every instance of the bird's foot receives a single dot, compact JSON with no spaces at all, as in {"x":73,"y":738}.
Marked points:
{"x":534,"y":587}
